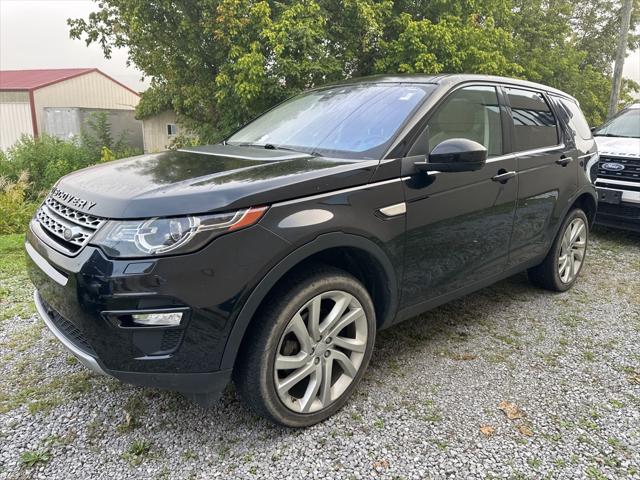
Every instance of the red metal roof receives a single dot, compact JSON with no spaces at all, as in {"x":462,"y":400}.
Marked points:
{"x":32,"y":79}
{"x":18,"y":80}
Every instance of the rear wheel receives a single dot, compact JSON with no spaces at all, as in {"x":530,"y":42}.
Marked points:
{"x":563,"y":263}
{"x":308,"y":349}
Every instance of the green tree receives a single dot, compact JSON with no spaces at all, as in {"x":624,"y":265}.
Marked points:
{"x":218,"y":63}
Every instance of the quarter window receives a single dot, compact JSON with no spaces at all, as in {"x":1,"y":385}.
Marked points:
{"x":576,"y":118}
{"x":533,"y":121}
{"x":472,"y":113}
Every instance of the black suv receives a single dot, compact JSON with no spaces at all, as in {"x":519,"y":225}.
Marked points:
{"x":274,"y":257}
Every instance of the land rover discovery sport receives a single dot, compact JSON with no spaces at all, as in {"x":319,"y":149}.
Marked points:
{"x":273,"y":258}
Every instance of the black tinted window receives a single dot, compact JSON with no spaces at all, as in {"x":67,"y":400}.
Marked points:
{"x":534,"y":123}
{"x":576,"y":119}
{"x":472,"y":113}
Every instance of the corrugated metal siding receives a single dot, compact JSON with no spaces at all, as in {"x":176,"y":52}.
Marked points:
{"x":92,"y":90}
{"x":15,"y":120}
{"x":14,"y":97}
{"x":156,"y":138}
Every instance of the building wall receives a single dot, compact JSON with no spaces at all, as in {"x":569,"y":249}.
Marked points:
{"x":67,"y":123}
{"x":92,"y":90}
{"x":156,"y":137}
{"x":15,"y":117}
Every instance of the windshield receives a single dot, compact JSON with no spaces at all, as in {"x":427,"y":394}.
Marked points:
{"x":626,"y":124}
{"x":349,"y":121}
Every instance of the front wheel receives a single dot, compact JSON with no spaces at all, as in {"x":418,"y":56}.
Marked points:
{"x":308,"y":349}
{"x":563,"y":263}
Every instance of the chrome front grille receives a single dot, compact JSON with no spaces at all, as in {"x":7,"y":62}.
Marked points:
{"x":630,"y":168}
{"x":69,"y":229}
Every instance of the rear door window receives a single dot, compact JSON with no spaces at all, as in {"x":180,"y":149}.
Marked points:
{"x":534,"y":124}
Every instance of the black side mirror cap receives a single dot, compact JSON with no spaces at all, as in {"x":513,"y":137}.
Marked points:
{"x":455,"y":155}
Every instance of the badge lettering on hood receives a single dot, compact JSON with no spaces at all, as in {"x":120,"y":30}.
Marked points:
{"x":71,"y":199}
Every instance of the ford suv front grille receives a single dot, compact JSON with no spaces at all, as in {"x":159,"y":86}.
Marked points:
{"x":619,"y":168}
{"x":69,"y":229}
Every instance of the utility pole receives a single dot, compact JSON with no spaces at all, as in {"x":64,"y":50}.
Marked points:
{"x":621,"y":53}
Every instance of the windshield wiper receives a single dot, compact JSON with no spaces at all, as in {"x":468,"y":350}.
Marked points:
{"x":596,"y":134}
{"x":271,"y":146}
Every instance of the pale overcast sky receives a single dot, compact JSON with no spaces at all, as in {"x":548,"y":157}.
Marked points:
{"x":34,"y":34}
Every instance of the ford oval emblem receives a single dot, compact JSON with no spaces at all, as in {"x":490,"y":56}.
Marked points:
{"x":613,"y":167}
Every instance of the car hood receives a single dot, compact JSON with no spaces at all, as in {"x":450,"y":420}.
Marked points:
{"x":618,"y":146}
{"x":205,"y":179}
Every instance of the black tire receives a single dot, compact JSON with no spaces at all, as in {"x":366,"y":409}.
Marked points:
{"x":255,"y":367}
{"x":547,"y":275}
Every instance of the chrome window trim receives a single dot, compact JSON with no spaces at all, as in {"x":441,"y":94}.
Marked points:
{"x":524,"y":153}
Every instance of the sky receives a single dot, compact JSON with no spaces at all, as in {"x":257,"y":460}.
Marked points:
{"x":34,"y":34}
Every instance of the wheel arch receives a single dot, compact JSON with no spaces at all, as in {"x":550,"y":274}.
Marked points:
{"x":355,"y":254}
{"x":588,"y":203}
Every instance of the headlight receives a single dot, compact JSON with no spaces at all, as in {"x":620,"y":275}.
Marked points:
{"x":160,"y":236}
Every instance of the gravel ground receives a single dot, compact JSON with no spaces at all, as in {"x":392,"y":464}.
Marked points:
{"x":433,"y":404}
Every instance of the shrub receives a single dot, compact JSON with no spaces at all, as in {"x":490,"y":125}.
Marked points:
{"x":46,"y":159}
{"x":15,"y":211}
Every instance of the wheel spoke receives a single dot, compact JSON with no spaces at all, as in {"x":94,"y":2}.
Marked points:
{"x":577,"y":231}
{"x":325,"y":388}
{"x":291,"y":362}
{"x":348,"y":319}
{"x":349,"y":344}
{"x":314,"y":317}
{"x":566,"y":240}
{"x":345,"y":362}
{"x":572,"y":264}
{"x":341,"y":304}
{"x":312,"y":389}
{"x":297,"y":376}
{"x":578,"y":254}
{"x":299,"y":329}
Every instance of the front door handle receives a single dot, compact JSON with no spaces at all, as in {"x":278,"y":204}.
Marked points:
{"x":503,"y":176}
{"x":564,"y":160}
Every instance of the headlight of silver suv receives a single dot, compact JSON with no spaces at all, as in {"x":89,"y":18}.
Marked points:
{"x":161,"y":236}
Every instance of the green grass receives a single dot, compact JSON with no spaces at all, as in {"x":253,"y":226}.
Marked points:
{"x":26,"y":384}
{"x":137,"y":452}
{"x":30,"y":458}
{"x":15,"y":287}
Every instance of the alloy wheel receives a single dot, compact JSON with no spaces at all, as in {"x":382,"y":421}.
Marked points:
{"x":320,"y":351}
{"x":572,"y":250}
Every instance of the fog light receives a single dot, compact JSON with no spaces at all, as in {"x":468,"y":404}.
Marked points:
{"x":171,"y":319}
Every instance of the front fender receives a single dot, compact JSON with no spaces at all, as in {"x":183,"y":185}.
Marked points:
{"x":321,"y":243}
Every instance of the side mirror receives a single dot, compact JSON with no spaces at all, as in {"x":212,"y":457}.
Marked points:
{"x":455,"y":155}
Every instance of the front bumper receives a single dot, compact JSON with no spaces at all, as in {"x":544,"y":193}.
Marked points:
{"x":618,"y":208}
{"x":83,"y":357}
{"x":204,"y":388}
{"x":76,"y":296}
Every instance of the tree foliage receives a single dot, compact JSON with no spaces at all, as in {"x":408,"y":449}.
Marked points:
{"x":218,"y":63}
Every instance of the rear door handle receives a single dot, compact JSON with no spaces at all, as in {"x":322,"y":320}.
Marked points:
{"x":564,"y":161}
{"x":503,"y":176}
